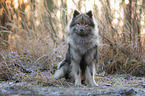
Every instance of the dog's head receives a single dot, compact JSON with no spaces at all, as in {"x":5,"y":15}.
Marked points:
{"x":82,"y":24}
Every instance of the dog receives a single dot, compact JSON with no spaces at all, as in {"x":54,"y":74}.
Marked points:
{"x":81,"y":55}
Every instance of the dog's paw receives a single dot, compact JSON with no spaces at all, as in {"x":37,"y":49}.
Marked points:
{"x":94,"y":85}
{"x":79,"y":85}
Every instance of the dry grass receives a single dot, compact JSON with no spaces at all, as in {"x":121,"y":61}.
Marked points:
{"x":120,"y":51}
{"x":35,"y":48}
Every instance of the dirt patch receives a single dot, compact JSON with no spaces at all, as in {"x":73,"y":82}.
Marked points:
{"x":115,"y":85}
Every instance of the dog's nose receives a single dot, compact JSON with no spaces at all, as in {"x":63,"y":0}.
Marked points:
{"x":81,"y":29}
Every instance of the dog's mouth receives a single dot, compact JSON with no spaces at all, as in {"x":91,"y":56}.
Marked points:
{"x":82,"y":33}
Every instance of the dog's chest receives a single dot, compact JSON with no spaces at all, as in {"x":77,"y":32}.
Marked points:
{"x":82,"y":45}
{"x":83,"y":48}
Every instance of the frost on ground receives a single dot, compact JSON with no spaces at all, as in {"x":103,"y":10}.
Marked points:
{"x":112,"y":85}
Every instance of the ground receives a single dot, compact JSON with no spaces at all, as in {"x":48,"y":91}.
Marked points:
{"x":111,"y":85}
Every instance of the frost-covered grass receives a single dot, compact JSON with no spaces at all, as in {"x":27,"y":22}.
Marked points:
{"x":36,"y":45}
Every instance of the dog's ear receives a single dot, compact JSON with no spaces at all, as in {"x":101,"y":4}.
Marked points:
{"x":89,"y":13}
{"x":75,"y":13}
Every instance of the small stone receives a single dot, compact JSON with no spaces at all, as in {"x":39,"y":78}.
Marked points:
{"x":108,"y":84}
{"x":128,"y":92}
{"x":143,"y":85}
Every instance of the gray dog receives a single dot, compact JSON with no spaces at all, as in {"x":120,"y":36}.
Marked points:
{"x":81,"y":55}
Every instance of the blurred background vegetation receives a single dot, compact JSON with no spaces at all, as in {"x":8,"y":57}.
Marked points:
{"x":33,"y":36}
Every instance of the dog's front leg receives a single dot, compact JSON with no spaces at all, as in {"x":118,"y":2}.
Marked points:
{"x":90,"y":72}
{"x":77,"y":73}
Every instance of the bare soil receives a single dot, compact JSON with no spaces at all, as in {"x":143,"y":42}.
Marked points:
{"x":111,"y":85}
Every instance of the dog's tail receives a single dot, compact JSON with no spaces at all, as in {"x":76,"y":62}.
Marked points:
{"x":63,"y":70}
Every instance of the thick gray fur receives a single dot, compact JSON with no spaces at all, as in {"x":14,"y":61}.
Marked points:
{"x":81,"y":56}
